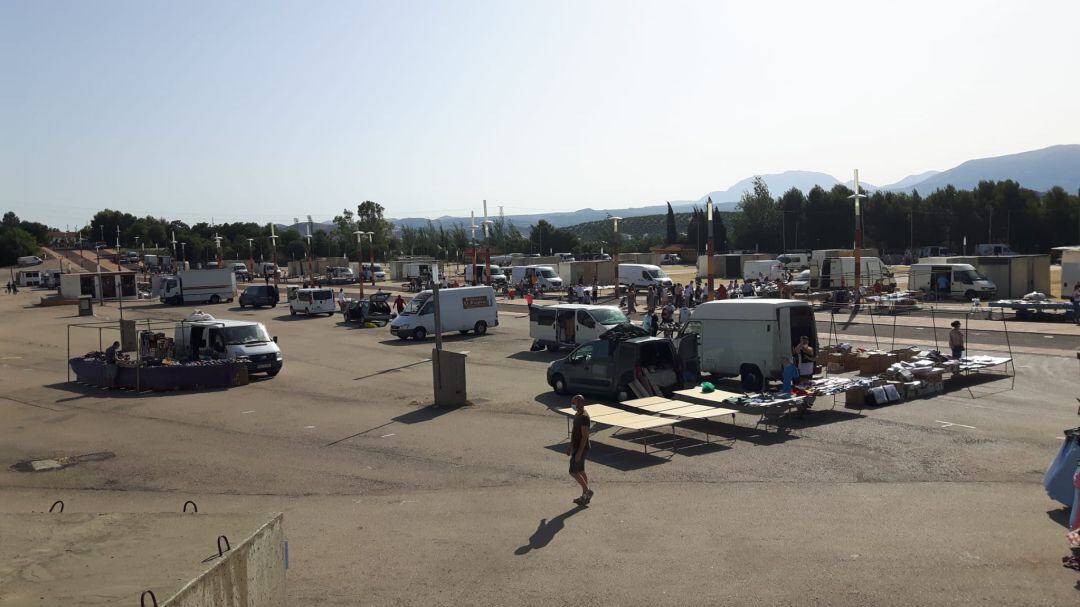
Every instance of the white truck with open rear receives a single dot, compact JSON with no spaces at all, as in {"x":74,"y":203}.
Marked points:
{"x":201,"y":335}
{"x":568,"y":325}
{"x":199,"y":286}
{"x":750,"y":338}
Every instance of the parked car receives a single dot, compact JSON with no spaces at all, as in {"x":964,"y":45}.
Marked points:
{"x":669,"y":259}
{"x":642,"y":275}
{"x":607,"y":366}
{"x":258,"y":296}
{"x":994,"y":249}
{"x":374,"y":309}
{"x":29,"y":260}
{"x":800,"y":282}
{"x":203,"y":336}
{"x":312,"y":301}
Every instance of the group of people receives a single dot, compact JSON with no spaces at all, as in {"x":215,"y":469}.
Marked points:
{"x":11,"y":287}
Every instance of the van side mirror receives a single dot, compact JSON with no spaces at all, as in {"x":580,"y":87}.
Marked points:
{"x":275,"y":339}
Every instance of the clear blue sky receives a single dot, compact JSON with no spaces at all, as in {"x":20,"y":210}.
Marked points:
{"x":269,"y":110}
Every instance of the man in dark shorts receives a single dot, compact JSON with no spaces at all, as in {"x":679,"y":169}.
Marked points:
{"x":579,"y":448}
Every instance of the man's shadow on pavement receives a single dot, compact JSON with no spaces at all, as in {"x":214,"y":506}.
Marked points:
{"x":546,"y":531}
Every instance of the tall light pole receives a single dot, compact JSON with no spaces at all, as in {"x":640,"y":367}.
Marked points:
{"x":472,"y":230}
{"x":311,"y":259}
{"x":273,"y":250}
{"x":251,"y":257}
{"x":175,"y":258}
{"x":615,"y":255}
{"x":183,"y":251}
{"x":858,"y":233}
{"x":709,"y":248}
{"x":487,"y":250}
{"x":371,"y":254}
{"x":217,"y":241}
{"x":360,"y":259}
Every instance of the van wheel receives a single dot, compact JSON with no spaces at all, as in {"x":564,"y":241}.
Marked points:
{"x":480,"y":328}
{"x":419,"y":333}
{"x":623,"y":394}
{"x":215,"y":299}
{"x":559,"y":384}
{"x":752,"y":380}
{"x":969,"y":295}
{"x":553,"y":347}
{"x":292,"y":312}
{"x":241,"y":305}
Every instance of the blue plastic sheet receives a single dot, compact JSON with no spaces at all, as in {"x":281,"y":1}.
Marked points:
{"x":1059,"y":477}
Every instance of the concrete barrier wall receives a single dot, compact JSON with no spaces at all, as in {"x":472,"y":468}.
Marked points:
{"x":252,"y":574}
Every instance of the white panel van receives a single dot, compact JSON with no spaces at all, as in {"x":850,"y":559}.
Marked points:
{"x":462,"y":309}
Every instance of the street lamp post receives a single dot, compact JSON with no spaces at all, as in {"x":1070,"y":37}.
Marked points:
{"x":360,"y":259}
{"x":615,"y":255}
{"x":251,"y":257}
{"x":311,"y":260}
{"x":472,"y":230}
{"x":487,"y":251}
{"x":273,"y":254}
{"x":858,"y":234}
{"x":709,"y":248}
{"x":371,"y":253}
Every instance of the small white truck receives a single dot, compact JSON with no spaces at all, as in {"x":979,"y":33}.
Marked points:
{"x":200,"y":286}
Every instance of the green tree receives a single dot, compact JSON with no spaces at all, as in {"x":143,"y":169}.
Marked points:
{"x":15,"y":242}
{"x":757,"y":225}
{"x":671,"y":234}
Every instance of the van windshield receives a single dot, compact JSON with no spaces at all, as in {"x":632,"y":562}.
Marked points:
{"x":415,"y":304}
{"x":969,"y":276}
{"x":656,"y":273}
{"x":547,"y":273}
{"x":609,"y":317}
{"x":245,"y":334}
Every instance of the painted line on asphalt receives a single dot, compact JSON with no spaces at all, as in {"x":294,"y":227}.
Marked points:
{"x":387,"y":435}
{"x":951,"y":424}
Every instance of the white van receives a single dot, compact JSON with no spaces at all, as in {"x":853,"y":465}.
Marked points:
{"x":750,"y":337}
{"x":642,"y":275}
{"x":767,"y":270}
{"x":565,"y":256}
{"x":830,"y":273}
{"x":934,"y":251}
{"x":546,"y":276}
{"x":312,"y":301}
{"x":795,"y":262}
{"x":203,"y":336}
{"x":497,"y":275}
{"x":965,"y":282}
{"x":462,"y":309}
{"x":29,"y":260}
{"x":568,"y":325}
{"x":370,"y":268}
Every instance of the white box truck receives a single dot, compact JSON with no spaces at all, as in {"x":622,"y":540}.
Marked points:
{"x":642,"y":275}
{"x":568,"y":325}
{"x":767,"y":270}
{"x":200,"y":286}
{"x":963,"y":281}
{"x":832,"y":273}
{"x":201,"y":336}
{"x":750,"y":338}
{"x":462,"y":309}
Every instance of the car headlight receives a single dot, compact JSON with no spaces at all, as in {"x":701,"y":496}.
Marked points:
{"x":278,"y":356}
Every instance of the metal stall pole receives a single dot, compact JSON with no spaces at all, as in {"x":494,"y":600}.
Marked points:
{"x":933,"y":323}
{"x":67,"y":362}
{"x":1012,"y":361}
{"x":873,"y":325}
{"x":893,"y":346}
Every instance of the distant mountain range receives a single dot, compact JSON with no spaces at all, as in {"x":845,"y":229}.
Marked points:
{"x":1038,"y":170}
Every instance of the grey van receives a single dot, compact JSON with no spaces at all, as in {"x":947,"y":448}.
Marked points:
{"x":608,"y":365}
{"x":259,"y":295}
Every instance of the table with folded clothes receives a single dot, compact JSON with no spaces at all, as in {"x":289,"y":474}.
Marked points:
{"x":771,"y":407}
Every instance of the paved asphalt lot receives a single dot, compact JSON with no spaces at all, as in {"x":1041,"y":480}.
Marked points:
{"x":388,"y":500}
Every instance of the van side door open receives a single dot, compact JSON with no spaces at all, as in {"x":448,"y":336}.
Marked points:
{"x":689,"y":359}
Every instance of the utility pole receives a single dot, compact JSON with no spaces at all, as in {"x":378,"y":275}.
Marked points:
{"x":273,"y":250}
{"x":615,"y":256}
{"x":783,"y":231}
{"x":487,"y":248}
{"x":472,"y":229}
{"x":251,"y":257}
{"x":709,"y":247}
{"x":858,"y":233}
{"x":360,"y":260}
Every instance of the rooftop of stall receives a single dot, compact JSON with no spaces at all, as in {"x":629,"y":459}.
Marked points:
{"x":1014,"y":275}
{"x":99,"y":285}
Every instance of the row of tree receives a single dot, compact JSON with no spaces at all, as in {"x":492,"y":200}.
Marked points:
{"x":20,"y":238}
{"x":992,"y":212}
